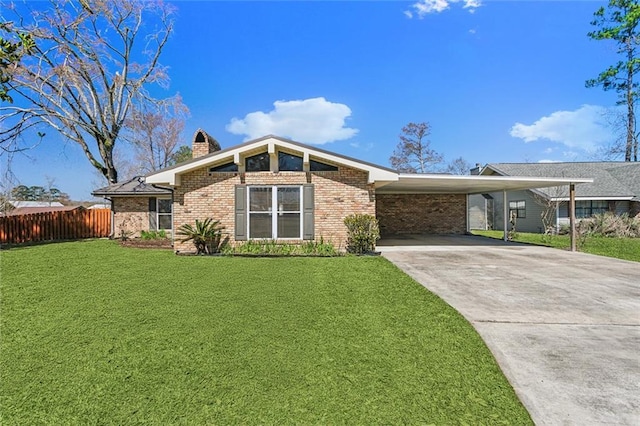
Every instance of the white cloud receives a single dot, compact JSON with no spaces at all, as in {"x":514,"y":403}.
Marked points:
{"x":315,"y":120}
{"x":425,"y":7}
{"x":548,"y":161}
{"x":585,"y":128}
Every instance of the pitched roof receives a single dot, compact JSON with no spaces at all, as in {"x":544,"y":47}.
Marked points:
{"x":31,"y":210}
{"x":611,"y":179}
{"x":134,"y":186}
{"x":18,"y":204}
{"x":171,"y":175}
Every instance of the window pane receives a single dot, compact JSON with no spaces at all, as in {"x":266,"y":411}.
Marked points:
{"x":164,"y":206}
{"x":260,"y":199}
{"x":289,"y":199}
{"x":257,"y":163}
{"x":260,"y":225}
{"x":229,"y":167}
{"x":316,"y":166}
{"x":164,"y":221}
{"x":289,"y":225}
{"x":289,"y":162}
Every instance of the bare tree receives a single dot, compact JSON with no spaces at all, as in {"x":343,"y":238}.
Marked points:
{"x":549,"y":201}
{"x":90,"y":62}
{"x":154,"y":131}
{"x":413,"y":154}
{"x":459,"y":166}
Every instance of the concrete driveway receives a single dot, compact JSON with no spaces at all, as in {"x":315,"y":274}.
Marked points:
{"x":564,"y":327}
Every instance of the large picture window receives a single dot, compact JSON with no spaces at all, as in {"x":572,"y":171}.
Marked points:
{"x":275,"y":212}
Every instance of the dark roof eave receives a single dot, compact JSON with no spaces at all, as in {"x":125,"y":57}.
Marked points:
{"x":129,"y":193}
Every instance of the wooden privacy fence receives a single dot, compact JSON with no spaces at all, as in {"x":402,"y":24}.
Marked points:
{"x":51,"y":226}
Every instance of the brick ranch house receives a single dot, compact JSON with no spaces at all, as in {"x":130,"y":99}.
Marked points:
{"x":275,"y":188}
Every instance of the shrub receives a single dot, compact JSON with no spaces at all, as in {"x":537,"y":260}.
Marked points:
{"x":610,"y":225}
{"x":206,"y":235}
{"x":362,"y":233}
{"x":272,"y":247}
{"x":153,"y":235}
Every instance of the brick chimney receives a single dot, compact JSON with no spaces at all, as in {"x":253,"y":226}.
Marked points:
{"x":203,"y":144}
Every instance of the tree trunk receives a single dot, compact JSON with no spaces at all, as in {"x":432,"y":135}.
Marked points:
{"x":631,"y":118}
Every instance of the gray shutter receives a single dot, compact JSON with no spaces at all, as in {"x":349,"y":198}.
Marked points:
{"x":241,"y":213}
{"x":307,"y":212}
{"x":153,"y":217}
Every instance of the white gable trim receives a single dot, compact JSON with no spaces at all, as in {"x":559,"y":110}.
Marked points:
{"x":172,"y":175}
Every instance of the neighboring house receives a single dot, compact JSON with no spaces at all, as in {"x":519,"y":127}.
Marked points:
{"x":48,"y":209}
{"x":20,"y":204}
{"x":98,"y":206}
{"x":615,"y":188}
{"x":277,"y":189}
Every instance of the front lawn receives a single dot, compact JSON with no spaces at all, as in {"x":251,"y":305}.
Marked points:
{"x":94,"y":333}
{"x":621,"y":248}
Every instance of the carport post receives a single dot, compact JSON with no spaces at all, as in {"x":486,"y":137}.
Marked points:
{"x":505,"y":211}
{"x":572,"y":214}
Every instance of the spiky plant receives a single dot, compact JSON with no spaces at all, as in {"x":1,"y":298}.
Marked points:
{"x":206,"y":235}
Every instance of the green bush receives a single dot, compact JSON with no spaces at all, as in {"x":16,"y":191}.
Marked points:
{"x":153,"y":235}
{"x":273,"y":247}
{"x":362,"y":233}
{"x":206,"y":235}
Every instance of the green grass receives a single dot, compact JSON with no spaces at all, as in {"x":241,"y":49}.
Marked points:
{"x":621,"y":248}
{"x":93,"y":333}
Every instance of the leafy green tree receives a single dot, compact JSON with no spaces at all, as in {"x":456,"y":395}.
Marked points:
{"x":92,"y":61}
{"x":413,"y":154}
{"x":181,"y":155}
{"x":619,"y":22}
{"x":11,"y":53}
{"x":38,"y":193}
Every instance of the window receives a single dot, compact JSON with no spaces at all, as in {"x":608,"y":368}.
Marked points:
{"x":289,"y":162}
{"x":164,"y":214}
{"x":316,"y":166}
{"x":228,"y":168}
{"x":591,"y":207}
{"x":275,"y":212}
{"x":257,"y":163}
{"x":518,"y":207}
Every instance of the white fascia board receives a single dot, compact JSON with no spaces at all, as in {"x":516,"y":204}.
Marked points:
{"x":551,"y":181}
{"x":473,"y":184}
{"x":626,"y":198}
{"x":172,"y":176}
{"x":375,"y":173}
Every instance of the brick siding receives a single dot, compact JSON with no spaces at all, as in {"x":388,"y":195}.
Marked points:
{"x":336,"y":194}
{"x":421,"y":213}
{"x":131,"y":215}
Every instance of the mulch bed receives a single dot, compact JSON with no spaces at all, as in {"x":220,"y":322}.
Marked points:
{"x":153,"y":244}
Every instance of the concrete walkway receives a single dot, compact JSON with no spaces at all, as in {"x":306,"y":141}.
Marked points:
{"x":564,"y":327}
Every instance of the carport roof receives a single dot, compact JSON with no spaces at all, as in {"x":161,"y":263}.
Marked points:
{"x":455,"y":184}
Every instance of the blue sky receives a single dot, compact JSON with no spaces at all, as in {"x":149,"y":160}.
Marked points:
{"x":499,"y":81}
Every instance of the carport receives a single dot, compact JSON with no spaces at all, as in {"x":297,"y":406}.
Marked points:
{"x":400,"y":203}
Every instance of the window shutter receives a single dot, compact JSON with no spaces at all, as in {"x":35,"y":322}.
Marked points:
{"x":307,"y":212}
{"x":153,"y":217}
{"x":241,"y":213}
